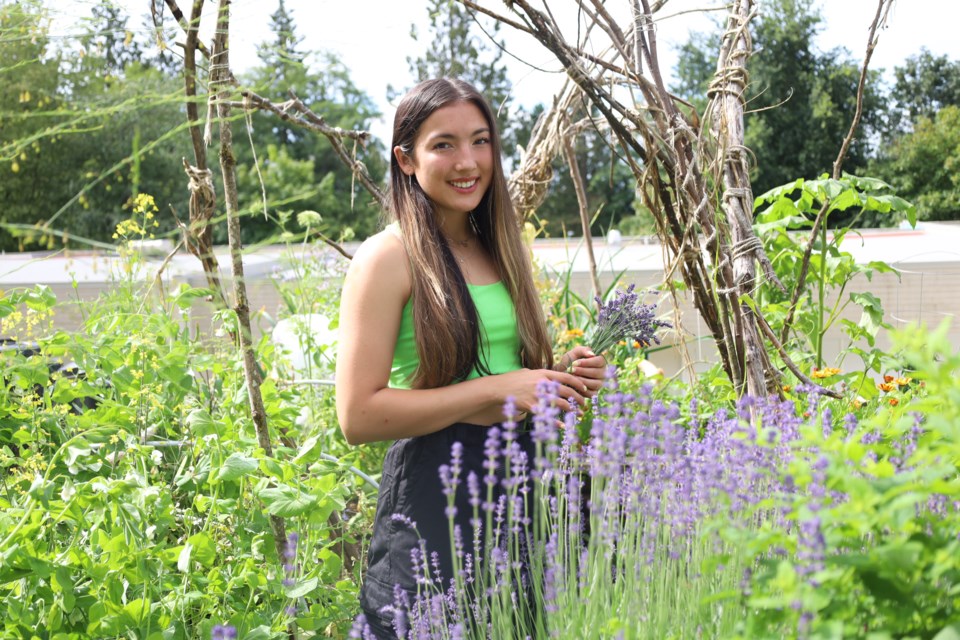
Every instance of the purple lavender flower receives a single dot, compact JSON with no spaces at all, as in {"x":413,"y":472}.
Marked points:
{"x":360,"y":629}
{"x":624,"y":317}
{"x":289,"y":556}
{"x":223,"y":632}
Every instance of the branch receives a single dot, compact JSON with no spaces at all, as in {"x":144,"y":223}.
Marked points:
{"x":578,"y":187}
{"x":190,"y":78}
{"x":768,"y":331}
{"x":496,"y":16}
{"x":220,"y":79}
{"x":883,"y":9}
{"x":188,"y":26}
{"x":312,"y":121}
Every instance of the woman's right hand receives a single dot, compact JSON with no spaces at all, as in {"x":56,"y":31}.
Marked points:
{"x":523,"y":384}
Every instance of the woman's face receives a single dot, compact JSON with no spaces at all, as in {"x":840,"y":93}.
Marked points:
{"x":452,"y":158}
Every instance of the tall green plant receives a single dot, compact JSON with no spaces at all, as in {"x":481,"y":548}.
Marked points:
{"x":782,"y":215}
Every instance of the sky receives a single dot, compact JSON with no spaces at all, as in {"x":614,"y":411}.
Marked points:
{"x":372,"y":37}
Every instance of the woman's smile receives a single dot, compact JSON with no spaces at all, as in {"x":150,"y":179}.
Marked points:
{"x":465,"y":186}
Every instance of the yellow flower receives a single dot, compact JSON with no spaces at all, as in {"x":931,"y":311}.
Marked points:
{"x":902,"y":382}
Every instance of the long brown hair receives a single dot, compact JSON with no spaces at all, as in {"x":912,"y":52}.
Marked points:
{"x":446,"y":326}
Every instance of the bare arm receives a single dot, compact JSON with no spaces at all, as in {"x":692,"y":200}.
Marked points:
{"x":374,"y":293}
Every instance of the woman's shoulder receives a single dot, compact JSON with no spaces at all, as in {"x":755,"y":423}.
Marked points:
{"x":383,"y":257}
{"x":383,"y":246}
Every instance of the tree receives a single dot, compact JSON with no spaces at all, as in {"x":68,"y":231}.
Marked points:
{"x":610,"y":186}
{"x":323,"y":83}
{"x":924,"y":165}
{"x":29,"y":82}
{"x":81,"y":143}
{"x":108,"y":44}
{"x":455,"y":50}
{"x":919,"y":153}
{"x":800,"y":99}
{"x":925,"y":84}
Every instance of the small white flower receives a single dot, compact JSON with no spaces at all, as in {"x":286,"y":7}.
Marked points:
{"x":156,"y":457}
{"x":68,"y":490}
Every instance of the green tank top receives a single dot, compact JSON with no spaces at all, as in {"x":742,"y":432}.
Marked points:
{"x":500,"y":341}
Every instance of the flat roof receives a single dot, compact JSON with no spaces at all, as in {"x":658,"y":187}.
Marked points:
{"x":929,"y":243}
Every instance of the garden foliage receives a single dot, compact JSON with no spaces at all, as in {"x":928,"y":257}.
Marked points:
{"x":135,"y":501}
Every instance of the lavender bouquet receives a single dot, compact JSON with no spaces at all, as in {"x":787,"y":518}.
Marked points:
{"x":624,"y":318}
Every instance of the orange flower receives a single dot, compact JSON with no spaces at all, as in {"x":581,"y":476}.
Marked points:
{"x":787,"y":388}
{"x":885,"y":386}
{"x":857,"y":403}
{"x":893,"y":402}
{"x":888,"y":379}
{"x":828,"y":372}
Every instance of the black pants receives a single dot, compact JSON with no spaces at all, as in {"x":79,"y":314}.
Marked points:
{"x":411,"y":486}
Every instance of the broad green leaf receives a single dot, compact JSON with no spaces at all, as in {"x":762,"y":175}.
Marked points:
{"x":285,"y":501}
{"x":200,"y":423}
{"x":204,"y":549}
{"x":872,"y":318}
{"x":135,"y":610}
{"x":259,"y":633}
{"x":236,"y":466}
{"x":40,"y":298}
{"x":306,"y":453}
{"x":302,"y":588}
{"x":845,"y":199}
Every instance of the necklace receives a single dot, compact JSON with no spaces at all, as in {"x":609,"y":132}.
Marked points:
{"x":463,"y":244}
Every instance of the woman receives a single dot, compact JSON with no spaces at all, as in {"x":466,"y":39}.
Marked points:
{"x":440,"y":324}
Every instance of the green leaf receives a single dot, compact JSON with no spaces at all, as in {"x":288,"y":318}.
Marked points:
{"x":237,"y":466}
{"x":306,"y":453}
{"x":285,"y":501}
{"x":40,"y":298}
{"x":883,"y":588}
{"x":204,"y":549}
{"x":185,"y":298}
{"x":302,"y":588}
{"x":872,"y":318}
{"x":200,"y":423}
{"x":845,"y":200}
{"x":259,"y":633}
{"x":902,"y":556}
{"x":135,"y":610}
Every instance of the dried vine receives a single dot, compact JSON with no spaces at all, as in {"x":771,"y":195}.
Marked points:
{"x":219,"y":86}
{"x":693,"y":174}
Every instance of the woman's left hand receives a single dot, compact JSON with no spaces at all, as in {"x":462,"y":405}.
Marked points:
{"x":586,"y":365}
